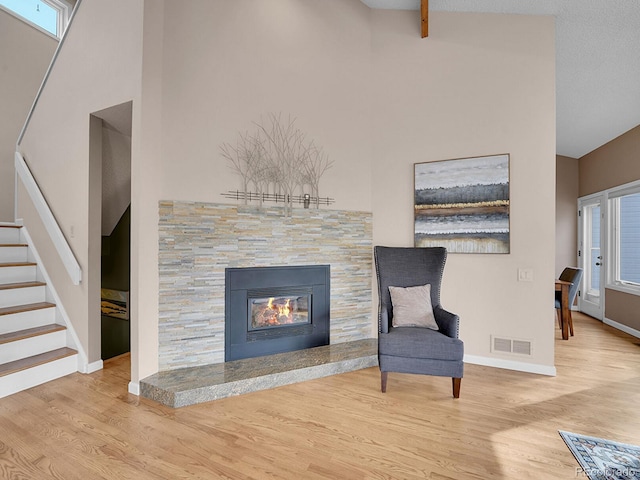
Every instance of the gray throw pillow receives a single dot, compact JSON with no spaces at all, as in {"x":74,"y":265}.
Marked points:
{"x":412,"y":307}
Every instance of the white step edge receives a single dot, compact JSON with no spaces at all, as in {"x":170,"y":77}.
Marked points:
{"x":10,"y":254}
{"x":9,"y":235}
{"x":22,"y":296}
{"x":31,"y":377}
{"x":24,"y":273}
{"x":22,"y":321}
{"x":28,"y":347}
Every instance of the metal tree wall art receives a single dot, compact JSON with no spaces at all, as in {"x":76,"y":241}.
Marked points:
{"x":277,"y":163}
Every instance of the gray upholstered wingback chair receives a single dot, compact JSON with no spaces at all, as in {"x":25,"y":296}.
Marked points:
{"x":416,"y":349}
{"x":573,"y":275}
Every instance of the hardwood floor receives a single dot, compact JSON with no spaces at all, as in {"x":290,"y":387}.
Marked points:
{"x":504,"y":426}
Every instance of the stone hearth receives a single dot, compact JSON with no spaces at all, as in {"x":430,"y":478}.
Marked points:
{"x":190,"y":386}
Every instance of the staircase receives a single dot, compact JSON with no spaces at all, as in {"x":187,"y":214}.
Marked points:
{"x":33,"y":340}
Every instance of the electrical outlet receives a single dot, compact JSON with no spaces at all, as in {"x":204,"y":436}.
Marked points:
{"x":525,"y":274}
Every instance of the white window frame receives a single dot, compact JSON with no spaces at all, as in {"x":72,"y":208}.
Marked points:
{"x":64,"y":13}
{"x":613,"y":267}
{"x":63,"y":9}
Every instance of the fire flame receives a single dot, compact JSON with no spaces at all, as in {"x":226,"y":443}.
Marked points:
{"x":274,"y":311}
{"x":281,"y":314}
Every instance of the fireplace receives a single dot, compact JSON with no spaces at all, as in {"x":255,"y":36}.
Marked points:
{"x":275,"y":309}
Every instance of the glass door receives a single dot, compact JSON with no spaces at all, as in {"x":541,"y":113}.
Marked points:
{"x":591,"y":255}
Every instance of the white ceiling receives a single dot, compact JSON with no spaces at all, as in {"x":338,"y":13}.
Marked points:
{"x":597,"y":62}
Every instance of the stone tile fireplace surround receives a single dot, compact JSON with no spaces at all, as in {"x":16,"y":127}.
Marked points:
{"x":199,"y":240}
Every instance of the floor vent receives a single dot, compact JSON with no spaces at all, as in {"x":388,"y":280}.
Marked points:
{"x":510,"y":345}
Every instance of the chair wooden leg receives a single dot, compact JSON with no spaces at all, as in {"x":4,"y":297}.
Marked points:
{"x":559,"y":317}
{"x":570,"y":318}
{"x":383,"y":381}
{"x":456,"y":387}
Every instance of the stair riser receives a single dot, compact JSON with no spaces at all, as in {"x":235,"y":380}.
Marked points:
{"x":25,"y":320}
{"x":32,"y":346}
{"x":13,"y":254}
{"x":17,"y":274}
{"x":19,"y":351}
{"x":21,"y":296}
{"x":16,"y":382}
{"x":9,"y":235}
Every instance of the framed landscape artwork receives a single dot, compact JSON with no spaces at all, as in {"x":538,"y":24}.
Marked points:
{"x":463,"y":204}
{"x":114,"y":303}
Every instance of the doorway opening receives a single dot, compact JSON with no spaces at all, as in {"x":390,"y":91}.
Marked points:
{"x":111,"y":130}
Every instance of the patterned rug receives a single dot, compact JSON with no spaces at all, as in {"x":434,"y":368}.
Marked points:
{"x":601,"y":459}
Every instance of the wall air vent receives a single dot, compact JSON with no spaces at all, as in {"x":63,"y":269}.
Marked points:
{"x":510,"y":345}
{"x":501,"y":345}
{"x":522,"y":347}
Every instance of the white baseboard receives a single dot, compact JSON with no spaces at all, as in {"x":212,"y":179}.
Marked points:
{"x":92,"y":367}
{"x":631,"y":331}
{"x":511,"y":365}
{"x":134,"y":388}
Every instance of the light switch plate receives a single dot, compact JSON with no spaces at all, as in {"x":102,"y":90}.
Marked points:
{"x":525,"y":274}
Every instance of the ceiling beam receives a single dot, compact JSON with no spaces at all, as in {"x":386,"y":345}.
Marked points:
{"x":424,"y":10}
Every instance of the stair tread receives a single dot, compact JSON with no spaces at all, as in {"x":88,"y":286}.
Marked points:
{"x":10,"y":226}
{"x":11,"y":286}
{"x":18,"y":264}
{"x":25,"y":363}
{"x":13,"y":245}
{"x":30,"y":332}
{"x":25,"y":308}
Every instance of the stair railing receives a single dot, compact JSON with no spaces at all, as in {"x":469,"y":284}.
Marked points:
{"x":48,"y":219}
